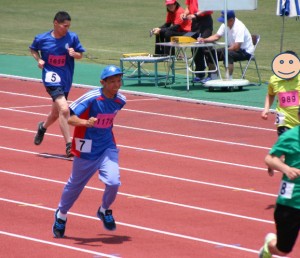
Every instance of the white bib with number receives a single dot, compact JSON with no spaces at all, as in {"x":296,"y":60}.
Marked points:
{"x":279,"y":118}
{"x":52,"y":77}
{"x":286,"y":189}
{"x":83,"y":145}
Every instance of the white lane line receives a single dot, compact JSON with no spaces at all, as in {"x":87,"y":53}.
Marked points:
{"x":57,"y":245}
{"x":142,"y":228}
{"x":192,"y":137}
{"x":151,"y":151}
{"x":197,"y":119}
{"x":158,"y":114}
{"x":147,"y":198}
{"x":198,"y":182}
{"x":156,"y":132}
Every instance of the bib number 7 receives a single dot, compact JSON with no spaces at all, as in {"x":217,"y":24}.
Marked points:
{"x":83,"y":145}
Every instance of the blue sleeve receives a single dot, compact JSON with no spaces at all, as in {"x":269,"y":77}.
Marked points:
{"x":35,"y":44}
{"x":76,"y":44}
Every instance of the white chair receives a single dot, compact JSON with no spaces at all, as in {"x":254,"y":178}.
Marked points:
{"x":255,"y":40}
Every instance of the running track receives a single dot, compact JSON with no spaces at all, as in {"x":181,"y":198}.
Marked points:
{"x":194,"y":183}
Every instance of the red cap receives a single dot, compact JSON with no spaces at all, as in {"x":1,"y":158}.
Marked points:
{"x":170,"y":2}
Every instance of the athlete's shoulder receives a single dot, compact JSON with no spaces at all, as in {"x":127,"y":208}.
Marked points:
{"x":43,"y":35}
{"x":121,"y":97}
{"x":87,"y":97}
{"x":72,"y":34}
{"x":275,"y":79}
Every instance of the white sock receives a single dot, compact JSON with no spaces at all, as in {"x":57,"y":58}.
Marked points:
{"x":102,"y":210}
{"x":62,"y":216}
{"x":230,"y":77}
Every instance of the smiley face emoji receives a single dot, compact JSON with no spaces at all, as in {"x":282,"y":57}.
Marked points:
{"x":286,"y":65}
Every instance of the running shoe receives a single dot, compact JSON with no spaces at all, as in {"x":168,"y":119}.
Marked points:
{"x":197,"y":80}
{"x":107,"y":219}
{"x":59,"y":226}
{"x":206,"y":79}
{"x":264,"y":251}
{"x":38,"y":138}
{"x":68,"y":150}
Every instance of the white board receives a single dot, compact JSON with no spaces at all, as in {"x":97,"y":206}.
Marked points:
{"x":219,"y":5}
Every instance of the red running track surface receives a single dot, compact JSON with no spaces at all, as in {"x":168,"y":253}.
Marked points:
{"x":194,"y":183}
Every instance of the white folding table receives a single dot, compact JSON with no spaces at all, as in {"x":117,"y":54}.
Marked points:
{"x":183,"y":47}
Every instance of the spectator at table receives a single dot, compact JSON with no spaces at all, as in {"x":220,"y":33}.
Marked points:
{"x":202,"y":25}
{"x":174,"y":26}
{"x":240,"y":45}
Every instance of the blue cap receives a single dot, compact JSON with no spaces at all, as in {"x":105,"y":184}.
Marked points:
{"x":230,"y":14}
{"x":110,"y":70}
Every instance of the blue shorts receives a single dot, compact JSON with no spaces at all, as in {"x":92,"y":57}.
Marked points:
{"x":56,"y":91}
{"x":107,"y":165}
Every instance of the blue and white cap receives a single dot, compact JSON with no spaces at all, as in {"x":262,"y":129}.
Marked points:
{"x":110,"y":70}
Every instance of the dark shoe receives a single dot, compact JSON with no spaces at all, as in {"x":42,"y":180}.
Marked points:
{"x":107,"y":219}
{"x":38,"y":138}
{"x":68,"y":150}
{"x":59,"y":226}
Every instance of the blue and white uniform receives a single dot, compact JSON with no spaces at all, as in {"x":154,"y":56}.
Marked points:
{"x":90,"y":143}
{"x":94,"y":148}
{"x":59,"y":65}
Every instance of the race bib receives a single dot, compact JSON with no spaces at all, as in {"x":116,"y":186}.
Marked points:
{"x":279,"y":118}
{"x":52,"y":77}
{"x":104,"y":120}
{"x":57,"y":60}
{"x":288,"y":99}
{"x":83,"y":145}
{"x":286,"y":189}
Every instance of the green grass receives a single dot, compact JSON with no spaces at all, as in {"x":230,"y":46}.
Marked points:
{"x":107,"y":29}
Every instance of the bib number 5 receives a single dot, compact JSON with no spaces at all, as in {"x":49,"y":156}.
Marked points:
{"x":52,"y":77}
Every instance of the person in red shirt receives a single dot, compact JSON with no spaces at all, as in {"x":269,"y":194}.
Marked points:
{"x":174,"y":26}
{"x":202,"y":24}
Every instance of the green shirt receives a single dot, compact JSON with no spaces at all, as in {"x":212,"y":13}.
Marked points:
{"x":288,"y":145}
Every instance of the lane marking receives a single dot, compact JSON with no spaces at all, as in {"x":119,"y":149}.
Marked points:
{"x":147,"y":150}
{"x":55,"y":244}
{"x":192,"y":137}
{"x":153,"y":131}
{"x":172,"y":234}
{"x":198,"y":119}
{"x":159,"y":114}
{"x":198,"y":182}
{"x":146,"y":198}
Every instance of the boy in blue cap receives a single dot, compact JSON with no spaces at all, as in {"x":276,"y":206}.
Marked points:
{"x":94,"y":148}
